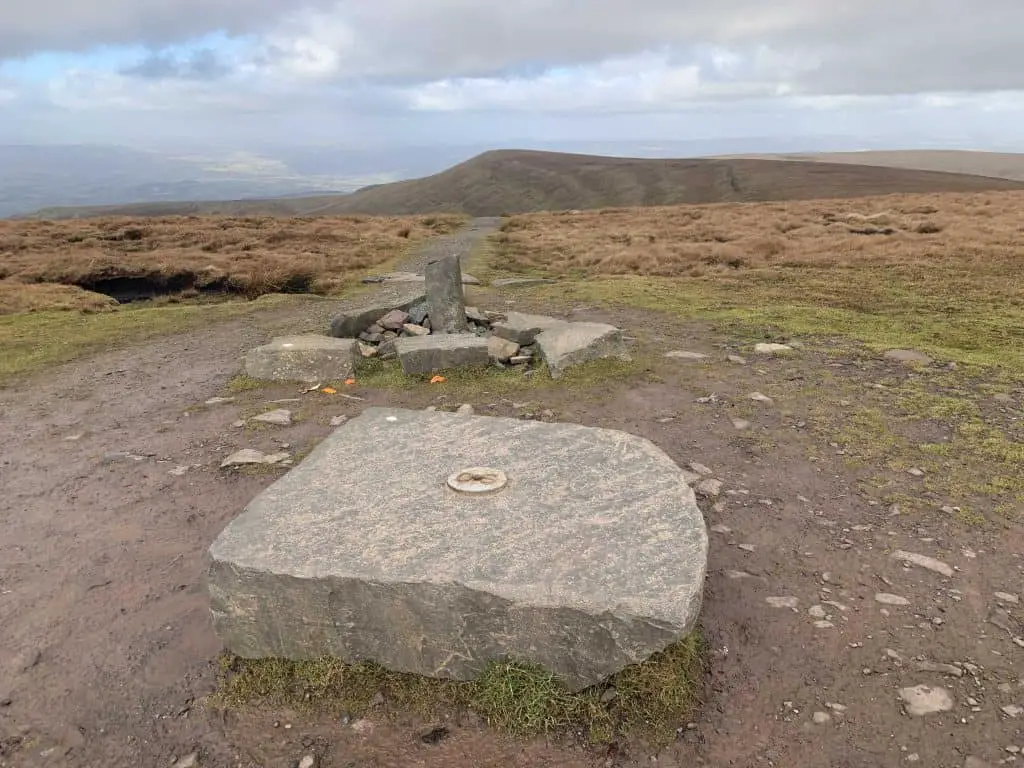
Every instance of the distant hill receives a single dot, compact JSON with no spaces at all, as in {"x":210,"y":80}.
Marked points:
{"x":518,"y":181}
{"x":1004,"y":165}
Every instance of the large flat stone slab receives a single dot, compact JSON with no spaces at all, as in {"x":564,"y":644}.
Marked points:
{"x":571,"y":344}
{"x":429,"y":354}
{"x":308,"y":358}
{"x":411,"y":277}
{"x":591,"y":557}
{"x":352,"y":322}
{"x":523,"y":328}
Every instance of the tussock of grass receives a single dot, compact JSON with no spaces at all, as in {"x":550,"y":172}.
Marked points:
{"x":36,"y":297}
{"x":651,"y":699}
{"x":245,"y":255}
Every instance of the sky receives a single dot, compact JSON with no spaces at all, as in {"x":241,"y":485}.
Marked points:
{"x":239,"y":73}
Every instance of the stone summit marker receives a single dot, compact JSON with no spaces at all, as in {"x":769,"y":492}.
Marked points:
{"x":575,"y":548}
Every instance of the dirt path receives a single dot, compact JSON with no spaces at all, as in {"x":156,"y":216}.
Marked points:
{"x":110,"y":493}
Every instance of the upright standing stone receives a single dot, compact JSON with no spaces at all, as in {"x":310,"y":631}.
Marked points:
{"x":445,"y":301}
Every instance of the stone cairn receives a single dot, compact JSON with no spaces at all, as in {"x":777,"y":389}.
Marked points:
{"x":443,"y":311}
{"x":423,"y":321}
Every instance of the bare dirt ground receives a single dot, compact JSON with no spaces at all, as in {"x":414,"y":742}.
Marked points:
{"x":110,"y":493}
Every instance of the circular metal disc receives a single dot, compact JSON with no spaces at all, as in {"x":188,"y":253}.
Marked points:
{"x":477,"y":480}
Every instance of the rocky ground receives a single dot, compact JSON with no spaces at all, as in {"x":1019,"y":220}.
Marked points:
{"x":857,"y":615}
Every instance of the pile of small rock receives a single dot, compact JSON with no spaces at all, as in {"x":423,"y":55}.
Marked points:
{"x":378,"y":339}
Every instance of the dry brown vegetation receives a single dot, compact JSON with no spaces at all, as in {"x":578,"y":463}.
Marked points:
{"x":977,"y":234}
{"x":944,"y":270}
{"x":40,"y":261}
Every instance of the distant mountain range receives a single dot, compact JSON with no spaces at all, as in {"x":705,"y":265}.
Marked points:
{"x":514,"y":181}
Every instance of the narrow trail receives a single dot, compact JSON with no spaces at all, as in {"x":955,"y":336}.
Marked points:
{"x":110,"y":493}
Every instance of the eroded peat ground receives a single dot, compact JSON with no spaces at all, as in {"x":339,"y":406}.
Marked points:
{"x":112,"y":491}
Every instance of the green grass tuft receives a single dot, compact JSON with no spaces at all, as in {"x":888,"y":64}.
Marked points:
{"x":651,"y":699}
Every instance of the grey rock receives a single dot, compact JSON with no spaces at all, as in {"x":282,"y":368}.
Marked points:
{"x":522,"y":328}
{"x":388,"y":350}
{"x":351,"y":323}
{"x":520,"y":359}
{"x":309,"y":761}
{"x":737,"y":359}
{"x":466,"y":579}
{"x":371,"y":338}
{"x":1007,"y":597}
{"x":710,"y":488}
{"x":915,"y":472}
{"x":772,"y":349}
{"x":279,"y":418}
{"x":214,"y":401}
{"x":116,"y":457}
{"x":520,"y":282}
{"x":394,"y":320}
{"x":886,"y":599}
{"x":337,"y":421}
{"x":474,"y":314}
{"x":466,"y":409}
{"x":701,"y":469}
{"x":429,"y":354}
{"x":366,"y":351}
{"x":943,"y":669}
{"x":190,"y":760}
{"x":760,"y":398}
{"x":821,"y":718}
{"x":501,"y":349}
{"x":570,"y":344}
{"x":791,"y":603}
{"x":921,"y":700}
{"x":418,"y":313}
{"x":923,"y":561}
{"x":249,"y":456}
{"x":308,"y":358}
{"x":683,"y":355}
{"x":446,"y":304}
{"x":411,"y":329}
{"x":908,"y":356}
{"x":412,"y":278}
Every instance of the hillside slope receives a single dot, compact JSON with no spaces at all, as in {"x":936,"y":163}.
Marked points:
{"x":1004,"y":165}
{"x":515,"y":181}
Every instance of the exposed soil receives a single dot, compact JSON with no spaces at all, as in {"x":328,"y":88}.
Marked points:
{"x":110,"y":493}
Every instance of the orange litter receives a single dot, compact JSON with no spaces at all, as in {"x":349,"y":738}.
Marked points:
{"x":329,"y":391}
{"x":438,"y":380}
{"x":349,"y":382}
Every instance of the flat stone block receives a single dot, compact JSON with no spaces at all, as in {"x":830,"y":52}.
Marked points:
{"x":309,"y":358}
{"x":520,"y":282}
{"x":427,"y":354}
{"x":590,"y":555}
{"x":571,"y":344}
{"x":523,"y":328}
{"x":349,"y":324}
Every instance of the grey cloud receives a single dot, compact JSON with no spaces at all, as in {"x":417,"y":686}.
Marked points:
{"x":200,"y":65}
{"x":31,"y":26}
{"x":870,"y":46}
{"x":842,"y":47}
